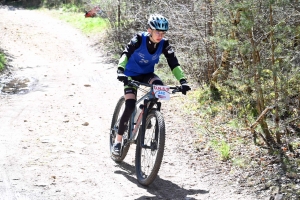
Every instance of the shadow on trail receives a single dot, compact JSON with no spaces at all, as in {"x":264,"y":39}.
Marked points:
{"x":160,"y":188}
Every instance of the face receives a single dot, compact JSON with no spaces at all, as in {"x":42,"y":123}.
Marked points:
{"x":157,"y":36}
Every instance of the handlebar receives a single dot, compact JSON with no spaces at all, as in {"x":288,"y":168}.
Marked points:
{"x":137,"y":84}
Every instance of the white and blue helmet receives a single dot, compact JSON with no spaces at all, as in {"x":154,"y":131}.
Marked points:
{"x":158,"y":22}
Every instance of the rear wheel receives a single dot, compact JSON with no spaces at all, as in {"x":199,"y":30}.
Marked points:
{"x":114,"y":130}
{"x":148,"y":160}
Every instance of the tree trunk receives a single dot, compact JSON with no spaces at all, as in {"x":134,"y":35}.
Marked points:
{"x":260,"y":98}
{"x":274,"y":76}
{"x":210,"y":46}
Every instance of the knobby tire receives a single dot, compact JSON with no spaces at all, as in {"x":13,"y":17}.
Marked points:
{"x":146,"y":169}
{"x":116,"y":116}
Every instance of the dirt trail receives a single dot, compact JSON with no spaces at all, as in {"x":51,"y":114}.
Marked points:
{"x":54,"y":139}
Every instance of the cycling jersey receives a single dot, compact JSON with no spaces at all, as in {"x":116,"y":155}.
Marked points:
{"x":152,"y":48}
{"x":141,"y":61}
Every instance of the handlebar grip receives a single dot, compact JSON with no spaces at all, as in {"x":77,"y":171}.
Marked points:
{"x":125,"y":81}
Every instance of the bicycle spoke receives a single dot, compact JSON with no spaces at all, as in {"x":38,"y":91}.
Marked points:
{"x":148,"y":156}
{"x":114,"y":130}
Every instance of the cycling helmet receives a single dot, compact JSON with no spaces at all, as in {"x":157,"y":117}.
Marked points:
{"x":158,"y":22}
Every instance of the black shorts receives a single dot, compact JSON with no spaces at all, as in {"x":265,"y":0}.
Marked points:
{"x":144,"y":78}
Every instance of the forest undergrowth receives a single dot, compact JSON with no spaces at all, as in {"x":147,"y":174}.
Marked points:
{"x":231,"y":144}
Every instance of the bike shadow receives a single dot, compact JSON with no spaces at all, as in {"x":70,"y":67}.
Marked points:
{"x":160,"y":188}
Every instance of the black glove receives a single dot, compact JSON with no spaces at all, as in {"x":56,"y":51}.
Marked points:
{"x":184,"y":86}
{"x":121,"y":76}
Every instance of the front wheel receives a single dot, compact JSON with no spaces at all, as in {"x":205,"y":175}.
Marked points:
{"x":119,"y":109}
{"x":148,"y":159}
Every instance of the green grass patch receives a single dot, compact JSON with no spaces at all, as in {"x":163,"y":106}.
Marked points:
{"x":222,"y":147}
{"x":86,"y":25}
{"x":2,"y":61}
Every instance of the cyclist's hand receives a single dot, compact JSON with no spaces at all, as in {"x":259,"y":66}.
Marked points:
{"x":184,"y":86}
{"x":121,"y":76}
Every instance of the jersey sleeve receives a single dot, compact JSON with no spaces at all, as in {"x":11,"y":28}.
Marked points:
{"x":122,"y":62}
{"x":178,"y":73}
{"x":133,"y":44}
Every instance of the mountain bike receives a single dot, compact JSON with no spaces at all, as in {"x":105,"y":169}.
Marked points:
{"x":146,"y":129}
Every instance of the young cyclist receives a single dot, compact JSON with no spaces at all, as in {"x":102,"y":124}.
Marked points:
{"x":137,"y":62}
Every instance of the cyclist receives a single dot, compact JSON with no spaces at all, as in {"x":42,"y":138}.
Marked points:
{"x":137,"y":63}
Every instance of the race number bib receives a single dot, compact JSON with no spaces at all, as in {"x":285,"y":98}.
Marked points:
{"x":162,"y":92}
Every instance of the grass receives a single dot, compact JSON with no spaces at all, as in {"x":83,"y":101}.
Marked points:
{"x":86,"y":25}
{"x":223,"y":148}
{"x":2,"y":61}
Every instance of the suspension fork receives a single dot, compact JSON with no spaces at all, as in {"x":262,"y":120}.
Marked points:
{"x":145,"y":114}
{"x":158,"y":104}
{"x":146,"y":110}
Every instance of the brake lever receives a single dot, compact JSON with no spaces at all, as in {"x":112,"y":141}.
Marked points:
{"x":178,"y":89}
{"x":133,"y":83}
{"x":125,"y":81}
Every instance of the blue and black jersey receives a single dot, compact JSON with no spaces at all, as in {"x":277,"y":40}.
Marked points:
{"x":135,"y":64}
